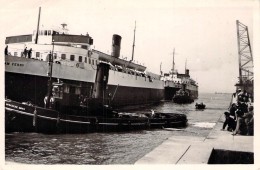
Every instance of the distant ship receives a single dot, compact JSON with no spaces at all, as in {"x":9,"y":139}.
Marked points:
{"x":175,"y":84}
{"x":75,"y":63}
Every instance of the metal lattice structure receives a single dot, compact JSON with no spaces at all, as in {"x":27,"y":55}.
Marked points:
{"x":246,"y":74}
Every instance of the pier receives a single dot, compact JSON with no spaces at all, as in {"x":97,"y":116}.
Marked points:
{"x":219,"y":147}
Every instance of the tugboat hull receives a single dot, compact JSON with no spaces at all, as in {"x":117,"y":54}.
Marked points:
{"x":25,"y":117}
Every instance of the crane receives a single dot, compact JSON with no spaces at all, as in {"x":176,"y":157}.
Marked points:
{"x":245,"y":59}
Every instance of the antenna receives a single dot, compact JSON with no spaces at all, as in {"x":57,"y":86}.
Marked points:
{"x":37,"y":31}
{"x":133,"y":50}
{"x":185,"y":64}
{"x":173,"y":64}
{"x":161,"y":68}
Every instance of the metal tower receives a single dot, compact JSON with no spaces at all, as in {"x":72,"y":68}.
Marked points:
{"x":246,"y":74}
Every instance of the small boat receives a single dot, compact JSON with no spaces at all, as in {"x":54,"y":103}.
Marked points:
{"x":200,"y":106}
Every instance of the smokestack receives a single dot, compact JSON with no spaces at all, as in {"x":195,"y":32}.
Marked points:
{"x":116,"y":45}
{"x":187,"y":71}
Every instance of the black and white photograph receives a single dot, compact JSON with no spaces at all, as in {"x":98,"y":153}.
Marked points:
{"x":129,"y":83}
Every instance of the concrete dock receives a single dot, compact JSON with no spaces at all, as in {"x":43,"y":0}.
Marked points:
{"x":199,"y":150}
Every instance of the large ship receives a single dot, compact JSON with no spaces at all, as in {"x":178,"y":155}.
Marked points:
{"x":75,"y":62}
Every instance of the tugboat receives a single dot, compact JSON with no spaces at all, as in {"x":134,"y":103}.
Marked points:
{"x":200,"y":105}
{"x":182,"y":97}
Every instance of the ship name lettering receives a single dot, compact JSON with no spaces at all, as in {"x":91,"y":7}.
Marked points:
{"x":7,"y":63}
{"x":21,"y":108}
{"x":13,"y":106}
{"x":17,"y":64}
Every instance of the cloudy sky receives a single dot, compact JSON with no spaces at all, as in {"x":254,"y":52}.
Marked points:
{"x":204,"y":32}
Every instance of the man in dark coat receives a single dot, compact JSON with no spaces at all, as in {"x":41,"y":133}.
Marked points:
{"x":6,"y":50}
{"x":30,"y":53}
{"x":25,"y":52}
{"x":230,"y":122}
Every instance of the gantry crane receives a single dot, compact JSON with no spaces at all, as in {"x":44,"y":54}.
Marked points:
{"x":246,"y":74}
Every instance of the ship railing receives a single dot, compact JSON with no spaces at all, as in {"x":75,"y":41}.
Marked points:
{"x":44,"y":53}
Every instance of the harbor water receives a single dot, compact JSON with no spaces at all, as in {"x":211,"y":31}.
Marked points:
{"x":113,"y":148}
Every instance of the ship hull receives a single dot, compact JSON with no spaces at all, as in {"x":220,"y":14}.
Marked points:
{"x":26,"y":80}
{"x":170,"y":92}
{"x":21,"y":87}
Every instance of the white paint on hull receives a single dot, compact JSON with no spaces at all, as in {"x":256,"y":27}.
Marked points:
{"x":39,"y":68}
{"x":124,"y":79}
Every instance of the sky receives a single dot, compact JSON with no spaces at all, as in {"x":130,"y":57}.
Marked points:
{"x":203,"y":33}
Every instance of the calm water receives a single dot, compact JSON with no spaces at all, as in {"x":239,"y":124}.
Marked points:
{"x":112,"y":148}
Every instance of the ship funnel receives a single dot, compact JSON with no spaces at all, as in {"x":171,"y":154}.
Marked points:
{"x":116,"y":45}
{"x":187,"y":71}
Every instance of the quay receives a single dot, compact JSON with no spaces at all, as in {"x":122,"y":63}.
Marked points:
{"x":219,"y":147}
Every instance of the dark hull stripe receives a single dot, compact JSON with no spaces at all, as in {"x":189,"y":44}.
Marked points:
{"x":33,"y":88}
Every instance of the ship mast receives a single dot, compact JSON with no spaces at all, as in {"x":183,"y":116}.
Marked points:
{"x":37,"y":31}
{"x":161,"y":68}
{"x":185,"y":64}
{"x":133,"y":50}
{"x":49,"y":73}
{"x":173,"y":64}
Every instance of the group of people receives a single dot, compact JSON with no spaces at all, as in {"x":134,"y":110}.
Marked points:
{"x":24,"y":54}
{"x":27,"y":52}
{"x":240,"y":117}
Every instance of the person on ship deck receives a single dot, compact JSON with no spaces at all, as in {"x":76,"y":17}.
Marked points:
{"x":25,"y":52}
{"x":30,"y":53}
{"x":6,"y":50}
